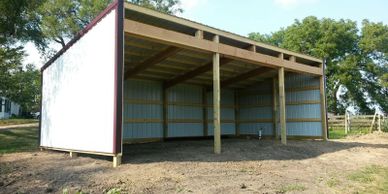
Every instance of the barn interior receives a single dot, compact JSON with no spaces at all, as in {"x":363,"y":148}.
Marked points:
{"x":173,"y":66}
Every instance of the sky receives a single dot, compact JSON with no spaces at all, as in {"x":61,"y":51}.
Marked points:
{"x":266,"y":16}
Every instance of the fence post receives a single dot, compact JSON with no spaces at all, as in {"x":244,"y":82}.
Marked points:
{"x":346,"y":124}
{"x":379,"y":124}
{"x":373,"y":123}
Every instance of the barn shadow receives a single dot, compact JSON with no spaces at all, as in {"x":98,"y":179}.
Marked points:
{"x":234,"y":150}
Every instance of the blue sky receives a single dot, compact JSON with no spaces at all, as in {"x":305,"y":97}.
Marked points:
{"x":266,"y":16}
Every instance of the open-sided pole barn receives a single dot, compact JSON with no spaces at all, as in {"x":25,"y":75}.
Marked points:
{"x":136,"y":75}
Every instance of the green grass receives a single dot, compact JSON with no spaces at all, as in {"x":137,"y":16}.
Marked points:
{"x":339,"y":133}
{"x":18,"y":140}
{"x":332,"y":182}
{"x":292,"y":187}
{"x":5,"y":122}
{"x":371,"y":179}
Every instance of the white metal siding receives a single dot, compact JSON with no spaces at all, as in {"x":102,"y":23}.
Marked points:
{"x":78,"y":93}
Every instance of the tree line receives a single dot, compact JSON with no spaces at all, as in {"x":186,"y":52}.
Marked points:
{"x":356,"y":71}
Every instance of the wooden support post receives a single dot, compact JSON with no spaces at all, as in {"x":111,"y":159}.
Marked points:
{"x":282,"y":106}
{"x":199,"y":34}
{"x":73,"y":154}
{"x":165,"y":113}
{"x":116,"y":161}
{"x":252,"y":48}
{"x":293,"y":59}
{"x":216,"y":100}
{"x":204,"y":111}
{"x":323,"y":107}
{"x":237,"y":112}
{"x":275,"y":111}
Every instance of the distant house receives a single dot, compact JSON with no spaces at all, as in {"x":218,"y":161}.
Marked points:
{"x":8,"y":108}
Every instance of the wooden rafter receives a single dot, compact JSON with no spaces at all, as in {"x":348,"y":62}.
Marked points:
{"x":195,"y":72}
{"x":244,"y":76}
{"x":159,"y":57}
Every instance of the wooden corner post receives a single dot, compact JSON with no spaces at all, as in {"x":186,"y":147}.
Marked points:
{"x":282,"y":106}
{"x":116,"y":160}
{"x":216,"y":100}
{"x":323,"y":103}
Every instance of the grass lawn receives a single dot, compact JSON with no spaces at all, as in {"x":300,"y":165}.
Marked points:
{"x":17,"y":140}
{"x":371,"y":179}
{"x":339,"y":133}
{"x":5,"y":122}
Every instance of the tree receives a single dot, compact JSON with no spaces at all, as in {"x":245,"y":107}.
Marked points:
{"x":61,"y":20}
{"x":26,"y":89}
{"x":17,"y":25}
{"x":356,"y":69}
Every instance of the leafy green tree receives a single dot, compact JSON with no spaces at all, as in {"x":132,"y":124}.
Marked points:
{"x":356,"y":68}
{"x":26,"y":89}
{"x":61,"y":20}
{"x":17,"y":26}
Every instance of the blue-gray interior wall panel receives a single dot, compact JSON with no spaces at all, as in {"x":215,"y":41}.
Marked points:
{"x":310,"y":110}
{"x":256,"y":104}
{"x":188,"y":106}
{"x":142,"y":90}
{"x":228,"y":126}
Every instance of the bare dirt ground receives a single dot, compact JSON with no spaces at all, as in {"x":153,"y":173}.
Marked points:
{"x":250,"y":166}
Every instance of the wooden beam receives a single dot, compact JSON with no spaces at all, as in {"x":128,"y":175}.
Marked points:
{"x":216,"y":100}
{"x":244,"y":76}
{"x":282,"y":106}
{"x":275,"y":111}
{"x":204,"y":112}
{"x":157,"y":34}
{"x":195,"y":72}
{"x":201,"y":27}
{"x":161,"y":56}
{"x":165,"y":113}
{"x":323,"y":106}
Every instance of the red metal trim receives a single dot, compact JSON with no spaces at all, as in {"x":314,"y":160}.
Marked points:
{"x":80,"y":34}
{"x":119,"y":77}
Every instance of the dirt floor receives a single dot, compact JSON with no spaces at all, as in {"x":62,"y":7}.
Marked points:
{"x":250,"y":166}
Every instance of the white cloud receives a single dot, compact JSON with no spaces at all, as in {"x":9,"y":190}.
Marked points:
{"x":294,"y":3}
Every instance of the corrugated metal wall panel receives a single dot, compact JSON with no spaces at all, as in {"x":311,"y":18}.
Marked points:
{"x":256,"y":103}
{"x":188,"y":99}
{"x":136,"y":94}
{"x":185,"y":129}
{"x":253,"y":128}
{"x":250,"y":113}
{"x":226,"y":129}
{"x":263,"y":99}
{"x":293,"y":80}
{"x":303,"y":111}
{"x":304,"y":129}
{"x":227,"y":113}
{"x":300,"y":96}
